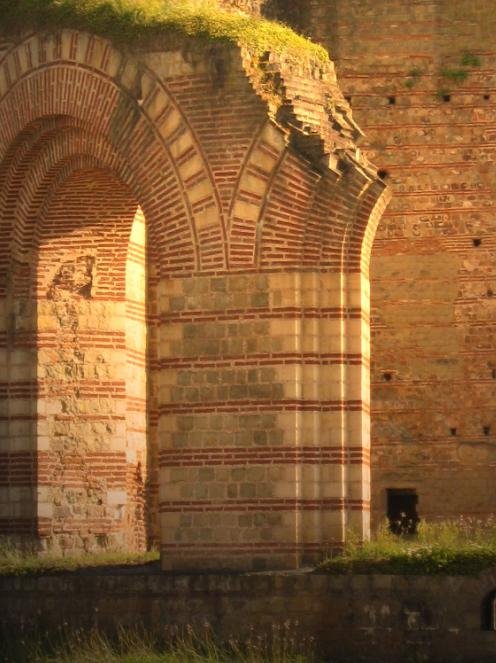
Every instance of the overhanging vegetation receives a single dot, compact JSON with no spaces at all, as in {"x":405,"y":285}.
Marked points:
{"x":128,"y":21}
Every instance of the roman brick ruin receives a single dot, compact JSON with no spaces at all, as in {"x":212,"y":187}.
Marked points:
{"x":184,"y":281}
{"x":185,"y":308}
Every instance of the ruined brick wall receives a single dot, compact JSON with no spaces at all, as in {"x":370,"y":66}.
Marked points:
{"x":420,"y":78}
{"x":185,"y":308}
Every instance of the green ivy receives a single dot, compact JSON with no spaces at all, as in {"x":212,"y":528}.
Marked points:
{"x":470,"y":60}
{"x":459,"y":74}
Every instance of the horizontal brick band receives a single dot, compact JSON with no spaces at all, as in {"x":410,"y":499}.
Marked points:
{"x":19,"y":526}
{"x":86,"y":339}
{"x":264,"y":406}
{"x":44,"y":388}
{"x":265,"y":504}
{"x":266,"y":359}
{"x":264,"y":313}
{"x":213,"y":456}
{"x":18,"y":469}
{"x":44,"y":468}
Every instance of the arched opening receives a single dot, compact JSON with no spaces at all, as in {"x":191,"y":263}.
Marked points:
{"x":75,"y":421}
{"x":488,"y":612}
{"x":89,"y":286}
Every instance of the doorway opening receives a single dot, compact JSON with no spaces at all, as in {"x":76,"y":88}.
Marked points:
{"x":402,"y":511}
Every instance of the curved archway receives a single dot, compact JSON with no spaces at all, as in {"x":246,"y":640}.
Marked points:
{"x":71,"y":117}
{"x":221,"y":352}
{"x":77,"y":346}
{"x":82,"y":76}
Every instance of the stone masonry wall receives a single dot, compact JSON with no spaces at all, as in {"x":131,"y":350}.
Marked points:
{"x":364,"y":619}
{"x":420,"y":78}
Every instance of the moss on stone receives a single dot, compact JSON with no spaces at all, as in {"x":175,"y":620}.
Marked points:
{"x":128,"y":21}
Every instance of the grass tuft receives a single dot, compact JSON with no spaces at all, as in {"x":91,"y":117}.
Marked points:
{"x":456,"y":75}
{"x":470,"y":60}
{"x":128,"y":21}
{"x":279,"y":645}
{"x":457,"y":547}
{"x":29,"y":562}
{"x":414,"y":76}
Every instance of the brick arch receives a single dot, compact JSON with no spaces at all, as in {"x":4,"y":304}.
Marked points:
{"x":84,"y":77}
{"x":249,"y":360}
{"x":285,"y":228}
{"x":372,"y":211}
{"x":43,"y":165}
{"x":246,"y":214}
{"x":370,"y":198}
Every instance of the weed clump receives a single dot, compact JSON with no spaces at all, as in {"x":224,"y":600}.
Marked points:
{"x":455,"y":547}
{"x":457,"y":75}
{"x":414,"y":76}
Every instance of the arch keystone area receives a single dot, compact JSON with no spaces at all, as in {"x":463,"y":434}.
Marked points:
{"x":177,"y":267}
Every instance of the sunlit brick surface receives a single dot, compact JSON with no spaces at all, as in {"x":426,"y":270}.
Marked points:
{"x":185,"y":306}
{"x":420,"y":79}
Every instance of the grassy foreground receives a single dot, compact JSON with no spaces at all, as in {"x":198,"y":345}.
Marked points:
{"x":280,"y":645}
{"x":14,"y":562}
{"x":458,"y":547}
{"x":125,"y":21}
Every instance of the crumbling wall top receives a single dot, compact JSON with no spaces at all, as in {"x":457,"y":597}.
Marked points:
{"x":294,"y":76}
{"x":137,"y":22}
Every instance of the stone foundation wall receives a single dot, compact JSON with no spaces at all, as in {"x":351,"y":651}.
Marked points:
{"x":368,"y":619}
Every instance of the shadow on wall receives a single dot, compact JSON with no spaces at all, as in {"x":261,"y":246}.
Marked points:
{"x":297,"y":13}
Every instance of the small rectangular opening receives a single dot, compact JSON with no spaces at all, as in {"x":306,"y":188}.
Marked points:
{"x":402,"y":510}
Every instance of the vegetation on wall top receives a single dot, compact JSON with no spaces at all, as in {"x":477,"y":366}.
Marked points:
{"x":455,"y":547}
{"x":29,"y":562}
{"x":126,"y":21}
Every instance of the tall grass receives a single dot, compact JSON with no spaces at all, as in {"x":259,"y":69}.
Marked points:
{"x":16,"y":561}
{"x":460,"y":546}
{"x":172,"y":646}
